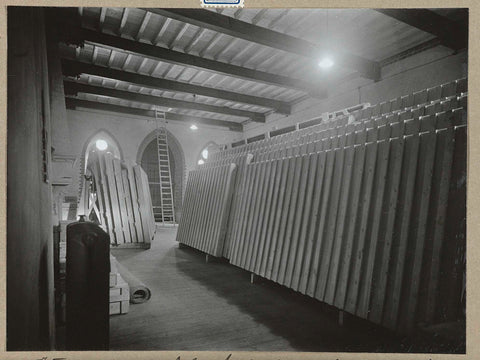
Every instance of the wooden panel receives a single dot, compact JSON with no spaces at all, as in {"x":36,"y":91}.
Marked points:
{"x":351,"y":232}
{"x":319,"y":239}
{"x":416,"y":238}
{"x":395,"y":271}
{"x":206,"y":208}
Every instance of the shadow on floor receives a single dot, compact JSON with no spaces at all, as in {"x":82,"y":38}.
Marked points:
{"x":306,"y":323}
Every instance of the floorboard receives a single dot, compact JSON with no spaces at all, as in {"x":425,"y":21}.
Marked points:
{"x":213,"y":306}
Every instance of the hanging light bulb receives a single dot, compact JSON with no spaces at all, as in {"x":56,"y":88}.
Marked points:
{"x":193,"y":127}
{"x":326,"y":63}
{"x":201,"y":162}
{"x":101,"y":144}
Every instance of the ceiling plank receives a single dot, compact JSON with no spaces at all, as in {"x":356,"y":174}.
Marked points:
{"x":72,"y":103}
{"x":74,"y":68}
{"x":72,"y":88}
{"x":176,"y":57}
{"x":450,"y":33}
{"x":250,"y":32}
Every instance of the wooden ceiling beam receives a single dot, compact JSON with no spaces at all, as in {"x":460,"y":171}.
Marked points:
{"x":74,"y":68}
{"x":274,"y":39}
{"x":197,"y":62}
{"x":72,"y":103}
{"x":451,"y":34}
{"x":72,"y":88}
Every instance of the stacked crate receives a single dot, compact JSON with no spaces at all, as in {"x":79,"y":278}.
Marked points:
{"x":119,"y":291}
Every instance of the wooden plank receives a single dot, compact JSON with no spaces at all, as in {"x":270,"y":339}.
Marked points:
{"x":275,"y":216}
{"x":319,"y":237}
{"x":218,"y":194}
{"x":392,"y":293}
{"x":264,"y":217}
{"x":282,"y":215}
{"x":146,"y":211}
{"x":257,"y":215}
{"x":300,"y":275}
{"x":226,"y":208}
{"x":249,"y":213}
{"x":238,"y":190}
{"x":199,"y":212}
{"x":416,"y":238}
{"x":208,"y":217}
{"x":135,"y":204}
{"x":364,"y":210}
{"x":265,"y":236}
{"x":329,"y":234}
{"x":287,"y":238}
{"x":217,"y":244}
{"x":384,"y":174}
{"x":208,"y":214}
{"x":338,"y":239}
{"x":128,"y":200}
{"x":437,"y":218}
{"x":298,"y":219}
{"x":114,"y":201}
{"x":187,"y":217}
{"x":235,"y":258}
{"x":123,"y":212}
{"x":305,"y":218}
{"x":453,"y":254}
{"x":351,"y":234}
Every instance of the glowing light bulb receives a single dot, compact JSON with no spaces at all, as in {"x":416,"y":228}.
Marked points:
{"x":326,"y":63}
{"x":201,"y":162}
{"x":101,"y":144}
{"x":193,"y":127}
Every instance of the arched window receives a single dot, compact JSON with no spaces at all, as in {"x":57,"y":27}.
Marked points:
{"x":150,"y":165}
{"x":102,"y":142}
{"x":147,"y":157}
{"x":208,"y":150}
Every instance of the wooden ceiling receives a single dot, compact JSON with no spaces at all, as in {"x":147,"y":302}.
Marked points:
{"x":230,"y":66}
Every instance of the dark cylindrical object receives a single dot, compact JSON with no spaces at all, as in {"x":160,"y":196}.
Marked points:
{"x":87,"y":287}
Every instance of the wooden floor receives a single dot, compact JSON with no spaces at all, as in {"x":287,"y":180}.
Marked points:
{"x":213,"y":306}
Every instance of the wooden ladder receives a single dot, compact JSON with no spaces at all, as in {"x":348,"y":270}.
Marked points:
{"x":165,"y":178}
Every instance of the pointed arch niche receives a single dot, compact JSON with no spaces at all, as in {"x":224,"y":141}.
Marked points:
{"x":147,"y":157}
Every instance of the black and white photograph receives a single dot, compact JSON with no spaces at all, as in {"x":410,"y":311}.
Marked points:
{"x":230,"y":179}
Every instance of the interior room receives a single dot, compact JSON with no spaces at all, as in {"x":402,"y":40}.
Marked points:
{"x":237,"y":179}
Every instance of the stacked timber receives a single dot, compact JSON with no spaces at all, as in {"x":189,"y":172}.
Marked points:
{"x":354,"y":213}
{"x":121,"y":201}
{"x":241,"y":162}
{"x":206,"y":208}
{"x":359,"y":223}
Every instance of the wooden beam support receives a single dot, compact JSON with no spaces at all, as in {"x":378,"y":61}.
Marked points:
{"x":73,"y":103}
{"x":250,"y":32}
{"x":450,"y":33}
{"x":74,"y":68}
{"x":197,"y":62}
{"x":72,"y":88}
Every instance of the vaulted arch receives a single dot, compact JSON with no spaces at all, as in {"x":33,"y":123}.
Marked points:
{"x":147,"y":158}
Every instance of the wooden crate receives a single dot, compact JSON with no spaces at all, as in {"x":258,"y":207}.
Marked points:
{"x":119,"y":307}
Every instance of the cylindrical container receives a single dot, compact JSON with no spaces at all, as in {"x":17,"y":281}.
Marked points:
{"x":87,"y":287}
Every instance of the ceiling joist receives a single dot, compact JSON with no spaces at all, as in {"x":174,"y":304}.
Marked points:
{"x":250,"y":32}
{"x":197,"y":62}
{"x":450,"y":33}
{"x":72,"y":103}
{"x":72,"y":88}
{"x":74,"y":68}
